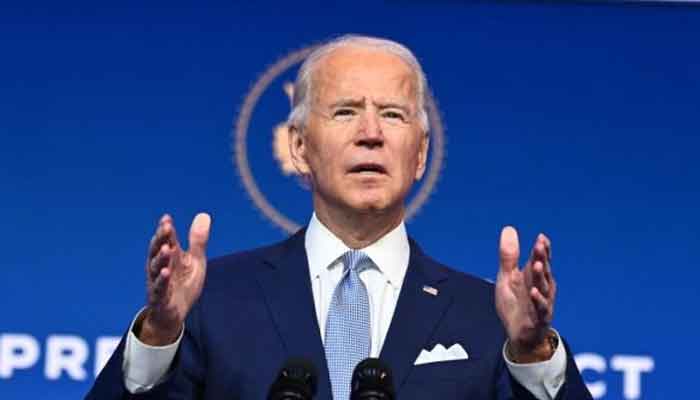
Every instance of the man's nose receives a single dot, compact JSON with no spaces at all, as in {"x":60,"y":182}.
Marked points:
{"x":370,"y":131}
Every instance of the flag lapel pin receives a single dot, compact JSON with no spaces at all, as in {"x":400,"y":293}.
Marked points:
{"x":430,"y":290}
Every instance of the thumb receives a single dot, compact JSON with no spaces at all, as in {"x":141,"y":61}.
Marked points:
{"x":199,"y":234}
{"x":509,"y":249}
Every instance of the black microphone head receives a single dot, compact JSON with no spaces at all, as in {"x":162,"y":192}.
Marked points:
{"x":296,"y":380}
{"x":372,"y":380}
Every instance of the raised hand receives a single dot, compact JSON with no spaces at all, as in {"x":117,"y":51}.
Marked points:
{"x":525,"y":298}
{"x":174,"y":280}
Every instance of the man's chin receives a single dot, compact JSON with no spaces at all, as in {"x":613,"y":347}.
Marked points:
{"x":375,"y":206}
{"x":364,"y":202}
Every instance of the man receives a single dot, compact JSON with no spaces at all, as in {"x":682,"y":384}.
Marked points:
{"x":352,"y":284}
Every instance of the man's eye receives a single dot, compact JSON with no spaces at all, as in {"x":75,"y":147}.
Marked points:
{"x":344,"y":113}
{"x":394,"y":115}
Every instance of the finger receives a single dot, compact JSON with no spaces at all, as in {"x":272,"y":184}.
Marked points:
{"x":546,"y":250}
{"x":539,"y":250}
{"x":159,"y":289}
{"x":547,"y":244}
{"x":542,"y":305}
{"x":509,"y":249}
{"x":539,"y":279}
{"x":199,"y":234}
{"x":165,"y":233}
{"x":160,"y":261}
{"x":538,"y":254}
{"x":160,"y":238}
{"x":552,"y":290}
{"x":165,"y":218}
{"x":548,"y":273}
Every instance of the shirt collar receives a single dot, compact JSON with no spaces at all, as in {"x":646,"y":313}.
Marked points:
{"x":390,"y":253}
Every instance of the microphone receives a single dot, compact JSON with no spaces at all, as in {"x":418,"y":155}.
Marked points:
{"x":296,"y":381}
{"x":372,"y":380}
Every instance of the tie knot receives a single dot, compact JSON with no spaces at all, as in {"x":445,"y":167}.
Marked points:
{"x":356,"y":260}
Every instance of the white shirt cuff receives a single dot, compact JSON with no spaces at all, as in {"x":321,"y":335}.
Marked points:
{"x":542,"y":379}
{"x":146,"y":366}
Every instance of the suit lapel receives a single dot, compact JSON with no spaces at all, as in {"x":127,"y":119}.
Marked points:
{"x":416,"y":316}
{"x":287,"y":290}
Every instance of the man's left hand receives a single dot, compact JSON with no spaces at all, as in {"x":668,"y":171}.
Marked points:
{"x":525,"y":298}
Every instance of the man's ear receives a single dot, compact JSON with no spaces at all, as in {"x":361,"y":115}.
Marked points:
{"x":297,"y":148}
{"x":422,"y":156}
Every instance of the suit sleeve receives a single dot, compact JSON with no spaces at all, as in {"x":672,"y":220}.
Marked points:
{"x":573,"y":388}
{"x":184,"y":380}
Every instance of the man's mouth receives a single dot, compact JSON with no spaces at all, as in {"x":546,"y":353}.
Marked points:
{"x":368,"y":168}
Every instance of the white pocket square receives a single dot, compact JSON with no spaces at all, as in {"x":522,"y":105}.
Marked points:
{"x":439,"y":354}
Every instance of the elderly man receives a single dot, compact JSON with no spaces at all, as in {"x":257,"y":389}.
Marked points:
{"x":352,"y":284}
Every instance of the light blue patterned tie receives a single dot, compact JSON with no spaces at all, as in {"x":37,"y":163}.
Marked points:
{"x":347,"y":339}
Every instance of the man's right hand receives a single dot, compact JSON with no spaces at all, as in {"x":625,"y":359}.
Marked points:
{"x":174,"y":280}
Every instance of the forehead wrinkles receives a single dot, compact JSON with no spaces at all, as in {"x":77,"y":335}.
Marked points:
{"x":389,"y":79}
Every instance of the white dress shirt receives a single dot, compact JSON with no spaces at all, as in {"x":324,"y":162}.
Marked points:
{"x":383,"y":282}
{"x":145,"y":366}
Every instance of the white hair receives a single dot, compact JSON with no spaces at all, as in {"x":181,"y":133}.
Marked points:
{"x":301,"y":101}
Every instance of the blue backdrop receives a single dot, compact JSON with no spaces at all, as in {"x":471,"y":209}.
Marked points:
{"x":579,"y":120}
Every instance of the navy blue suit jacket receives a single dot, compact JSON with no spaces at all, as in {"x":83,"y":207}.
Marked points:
{"x":257,"y":309}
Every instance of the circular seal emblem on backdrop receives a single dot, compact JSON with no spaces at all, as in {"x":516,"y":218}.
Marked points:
{"x":280,"y":147}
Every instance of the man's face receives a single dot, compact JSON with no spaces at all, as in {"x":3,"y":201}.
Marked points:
{"x":362,"y":146}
